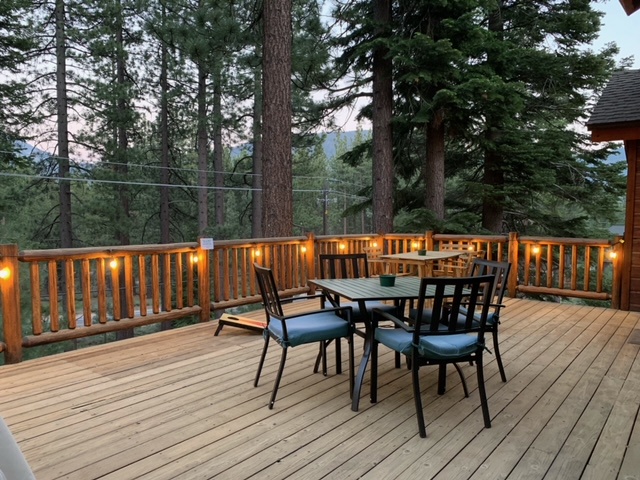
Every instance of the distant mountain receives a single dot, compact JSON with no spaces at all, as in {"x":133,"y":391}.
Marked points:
{"x":329,"y":145}
{"x":25,"y":150}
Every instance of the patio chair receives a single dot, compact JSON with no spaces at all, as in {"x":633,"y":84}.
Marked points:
{"x":500,"y":270}
{"x":299,"y":329}
{"x":450,"y":337}
{"x":347,"y":265}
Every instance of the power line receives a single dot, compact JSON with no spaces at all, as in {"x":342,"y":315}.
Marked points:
{"x":153,"y":184}
{"x":193,"y":170}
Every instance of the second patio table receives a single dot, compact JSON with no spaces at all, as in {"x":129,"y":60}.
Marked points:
{"x":424,"y":262}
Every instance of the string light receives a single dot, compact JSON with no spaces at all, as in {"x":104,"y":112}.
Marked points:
{"x":113,"y":264}
{"x":5,"y":273}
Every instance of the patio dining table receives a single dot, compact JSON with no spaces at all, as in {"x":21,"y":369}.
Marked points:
{"x":362,"y":290}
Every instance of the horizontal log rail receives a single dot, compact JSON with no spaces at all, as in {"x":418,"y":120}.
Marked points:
{"x":56,"y":295}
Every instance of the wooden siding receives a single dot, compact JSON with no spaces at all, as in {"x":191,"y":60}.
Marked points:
{"x":631,"y":267}
{"x":181,"y":405}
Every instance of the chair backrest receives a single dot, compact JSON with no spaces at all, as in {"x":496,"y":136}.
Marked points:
{"x":500,"y":270}
{"x":269,"y":291}
{"x":462,"y":304}
{"x":343,"y":265}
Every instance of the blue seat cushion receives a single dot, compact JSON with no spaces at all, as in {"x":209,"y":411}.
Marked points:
{"x":435,"y":347}
{"x":309,"y":328}
{"x":356,"y":314}
{"x":492,"y":318}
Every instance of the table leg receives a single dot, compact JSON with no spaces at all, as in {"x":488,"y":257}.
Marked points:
{"x":366,"y":354}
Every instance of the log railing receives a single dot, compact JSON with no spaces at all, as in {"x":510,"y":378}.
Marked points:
{"x":51,"y":296}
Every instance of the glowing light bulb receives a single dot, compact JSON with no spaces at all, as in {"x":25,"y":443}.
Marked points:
{"x":113,"y":264}
{"x":535,"y":250}
{"x":5,"y":273}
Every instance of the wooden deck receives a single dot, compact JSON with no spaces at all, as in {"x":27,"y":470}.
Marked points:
{"x":181,"y":404}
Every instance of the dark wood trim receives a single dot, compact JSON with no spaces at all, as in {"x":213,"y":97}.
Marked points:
{"x":631,"y":150}
{"x":611,"y":134}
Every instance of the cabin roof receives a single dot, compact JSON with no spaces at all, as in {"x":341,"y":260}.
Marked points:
{"x":620,"y":101}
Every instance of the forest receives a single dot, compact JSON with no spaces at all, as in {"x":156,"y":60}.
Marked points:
{"x":153,"y":120}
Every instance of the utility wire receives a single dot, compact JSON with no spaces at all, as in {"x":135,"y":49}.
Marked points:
{"x":153,"y":184}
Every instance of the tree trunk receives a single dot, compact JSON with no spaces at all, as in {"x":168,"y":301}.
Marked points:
{"x":122,"y":141}
{"x":203,"y":141}
{"x":256,"y":179}
{"x":165,"y":161}
{"x":66,"y":231}
{"x":277,"y":181}
{"x":381,"y":125}
{"x":434,"y":166}
{"x":218,"y":158}
{"x":493,"y":198}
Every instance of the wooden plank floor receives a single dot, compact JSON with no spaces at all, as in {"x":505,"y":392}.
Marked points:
{"x":181,"y":404}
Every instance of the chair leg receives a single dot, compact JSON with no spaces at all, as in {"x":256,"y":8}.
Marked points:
{"x":442,"y":378}
{"x":417,"y":396}
{"x":483,"y":392}
{"x":323,"y":347}
{"x":283,"y":359}
{"x":462,"y":379}
{"x":262,"y":357}
{"x":496,"y":349}
{"x":319,"y":357}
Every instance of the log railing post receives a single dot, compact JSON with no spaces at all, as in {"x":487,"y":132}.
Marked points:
{"x":616,"y":264}
{"x":429,"y":240}
{"x":310,"y":255}
{"x":10,"y":300}
{"x":204,"y":284}
{"x":513,"y":259}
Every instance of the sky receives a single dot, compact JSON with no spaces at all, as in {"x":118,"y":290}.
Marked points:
{"x":619,"y":28}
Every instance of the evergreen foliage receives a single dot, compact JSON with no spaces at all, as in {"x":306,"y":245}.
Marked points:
{"x":502,"y":85}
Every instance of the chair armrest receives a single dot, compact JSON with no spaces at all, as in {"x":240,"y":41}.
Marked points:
{"x":305,"y":297}
{"x":284,"y":318}
{"x":400,"y":323}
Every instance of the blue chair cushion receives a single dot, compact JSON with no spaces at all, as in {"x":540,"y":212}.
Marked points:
{"x":435,"y":347}
{"x":309,"y":328}
{"x":357,"y":316}
{"x":492,"y":318}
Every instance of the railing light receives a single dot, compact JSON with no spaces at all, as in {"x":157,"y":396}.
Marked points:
{"x":415,"y":245}
{"x":256,"y":252}
{"x":535,"y":249}
{"x":303,"y":249}
{"x":194,"y":258}
{"x":374,"y":244}
{"x":342,"y":246}
{"x":613,"y":254}
{"x":113,"y":264}
{"x":5,"y":273}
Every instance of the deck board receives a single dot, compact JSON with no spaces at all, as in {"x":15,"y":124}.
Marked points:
{"x":181,"y":404}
